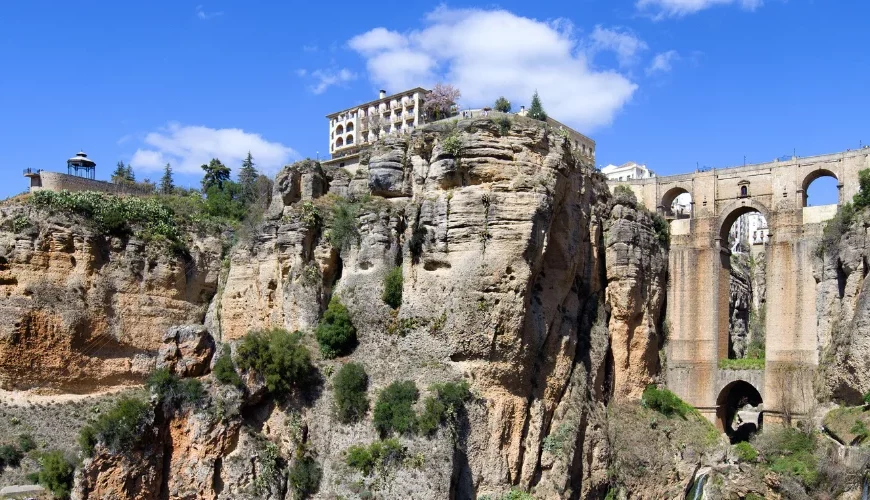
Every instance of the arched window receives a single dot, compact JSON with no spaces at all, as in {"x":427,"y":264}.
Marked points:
{"x":350,"y":127}
{"x":339,"y":130}
{"x":349,"y":139}
{"x":744,"y":191}
{"x":339,"y":142}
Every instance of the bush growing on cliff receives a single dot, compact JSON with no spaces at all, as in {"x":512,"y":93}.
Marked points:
{"x":394,"y":409}
{"x":662,"y":229}
{"x":173,"y":391}
{"x":335,"y":332}
{"x":55,"y":473}
{"x":10,"y":456}
{"x":665,"y":402}
{"x":790,"y":451}
{"x":350,"y":385}
{"x":379,"y":455}
{"x":443,"y":406}
{"x":745,"y":451}
{"x":623,"y":195}
{"x":224,"y":370}
{"x":392,"y":295}
{"x":278,"y":356}
{"x":304,"y":476}
{"x":344,"y":229}
{"x":113,"y":214}
{"x":119,"y":428}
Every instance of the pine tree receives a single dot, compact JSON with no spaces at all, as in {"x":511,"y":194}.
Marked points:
{"x":129,"y":176}
{"x":216,"y":173}
{"x":248,"y":179}
{"x":536,"y":110}
{"x":503,"y":105}
{"x":166,"y":184}
{"x":120,"y":173}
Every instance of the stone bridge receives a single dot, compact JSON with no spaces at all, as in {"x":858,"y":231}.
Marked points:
{"x":699,"y":276}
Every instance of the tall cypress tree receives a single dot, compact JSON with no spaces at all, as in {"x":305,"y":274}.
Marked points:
{"x":248,"y":179}
{"x":536,"y":110}
{"x":166,"y":184}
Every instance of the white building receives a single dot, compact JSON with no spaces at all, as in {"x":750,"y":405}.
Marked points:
{"x":352,"y":129}
{"x":627,"y":171}
{"x":749,"y":229}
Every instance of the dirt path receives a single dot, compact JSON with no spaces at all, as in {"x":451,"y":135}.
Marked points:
{"x":29,"y":398}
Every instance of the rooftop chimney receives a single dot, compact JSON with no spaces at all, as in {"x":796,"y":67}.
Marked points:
{"x":383,"y":94}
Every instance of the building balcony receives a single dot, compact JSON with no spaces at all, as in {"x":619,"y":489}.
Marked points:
{"x":395,"y":105}
{"x":397,"y":117}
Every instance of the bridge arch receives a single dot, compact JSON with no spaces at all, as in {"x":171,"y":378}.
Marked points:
{"x":733,"y":398}
{"x":667,"y":200}
{"x":734,"y":210}
{"x":815,"y":175}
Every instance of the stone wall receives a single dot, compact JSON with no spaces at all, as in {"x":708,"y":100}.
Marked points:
{"x":56,"y":181}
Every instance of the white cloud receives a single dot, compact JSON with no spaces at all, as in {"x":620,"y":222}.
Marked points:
{"x":202,"y":14}
{"x":625,"y":44}
{"x":663,"y":62}
{"x":310,"y":48}
{"x":187,"y":147}
{"x":487,"y":53}
{"x":660,"y":9}
{"x":327,"y":78}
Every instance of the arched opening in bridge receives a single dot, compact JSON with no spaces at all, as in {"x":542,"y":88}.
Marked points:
{"x":739,"y":411}
{"x":821,"y":188}
{"x":744,"y":239}
{"x":677,"y":204}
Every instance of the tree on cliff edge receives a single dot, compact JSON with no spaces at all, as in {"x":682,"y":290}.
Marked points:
{"x":120,"y":173}
{"x":216,"y":173}
{"x":536,"y":110}
{"x":248,"y":179}
{"x":166,"y":184}
{"x":440,"y":101}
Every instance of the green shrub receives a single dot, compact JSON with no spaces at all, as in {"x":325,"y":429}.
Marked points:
{"x":860,"y":430}
{"x":665,"y":402}
{"x":304,"y":477}
{"x":10,"y":456}
{"x":336,"y":333}
{"x":119,"y":428}
{"x":392,"y":295}
{"x":224,"y":370}
{"x":447,"y":400}
{"x":742,"y":364}
{"x":790,"y":451}
{"x":26,"y":442}
{"x":172,"y":391}
{"x":836,"y":227}
{"x":278,"y":356}
{"x":113,"y":214}
{"x":56,"y":473}
{"x":350,"y":385}
{"x":746,"y":452}
{"x":662,"y":229}
{"x":377,"y":455}
{"x":504,"y":125}
{"x":867,"y":398}
{"x":452,"y":144}
{"x":623,"y":195}
{"x":225,"y":201}
{"x":394,"y":410}
{"x":502,"y":104}
{"x":344,"y":230}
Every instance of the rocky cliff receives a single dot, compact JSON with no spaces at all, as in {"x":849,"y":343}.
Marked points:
{"x":843,"y":309}
{"x":522,"y":275}
{"x":84,"y":310}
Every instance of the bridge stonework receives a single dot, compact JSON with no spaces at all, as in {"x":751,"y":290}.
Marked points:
{"x":699,"y":275}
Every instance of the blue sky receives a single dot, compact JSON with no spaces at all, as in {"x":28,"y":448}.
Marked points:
{"x":669,"y":83}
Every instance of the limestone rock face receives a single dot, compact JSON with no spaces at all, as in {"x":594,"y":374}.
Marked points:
{"x":843,"y":309}
{"x":506,"y":250}
{"x":186,"y":350}
{"x":636,"y":274}
{"x":83,"y":310}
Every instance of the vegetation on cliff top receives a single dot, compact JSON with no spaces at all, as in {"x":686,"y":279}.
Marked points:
{"x":119,"y":428}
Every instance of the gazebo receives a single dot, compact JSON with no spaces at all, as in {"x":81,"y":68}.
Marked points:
{"x":81,"y":166}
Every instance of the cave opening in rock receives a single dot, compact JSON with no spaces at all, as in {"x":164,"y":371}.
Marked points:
{"x":739,"y":410}
{"x":747,"y":237}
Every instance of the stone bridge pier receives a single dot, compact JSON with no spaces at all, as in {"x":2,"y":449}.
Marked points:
{"x":699,"y":277}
